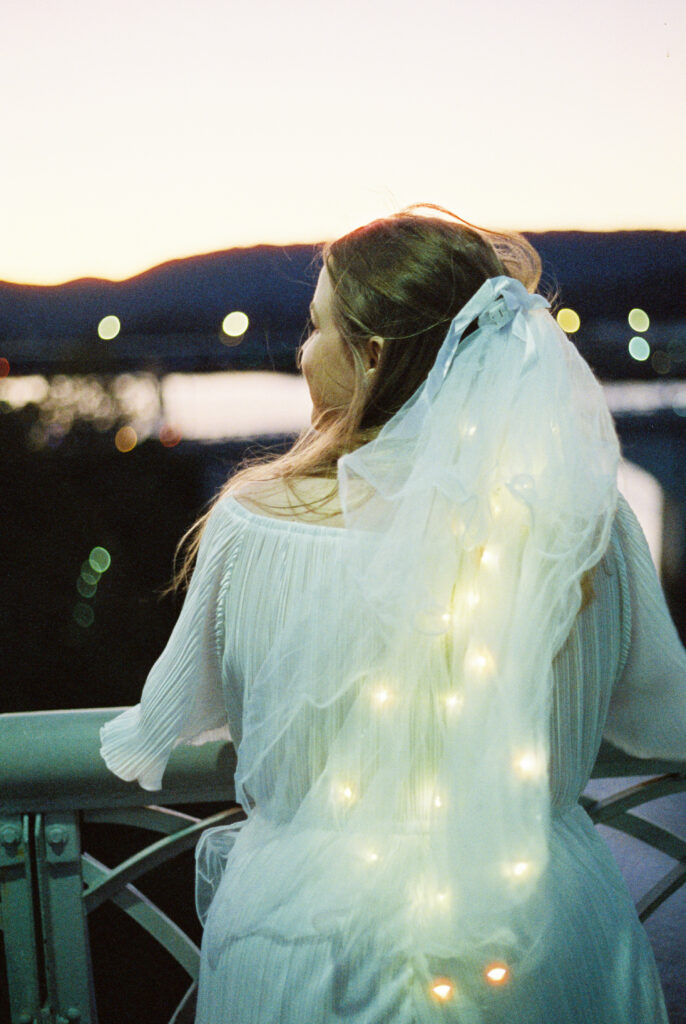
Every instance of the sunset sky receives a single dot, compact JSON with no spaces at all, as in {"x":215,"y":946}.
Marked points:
{"x":136,"y":132}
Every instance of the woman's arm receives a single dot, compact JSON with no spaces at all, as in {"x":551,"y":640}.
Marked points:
{"x":182,"y":699}
{"x":647,"y":716}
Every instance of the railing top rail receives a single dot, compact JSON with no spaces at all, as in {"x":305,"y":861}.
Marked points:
{"x":50,"y":759}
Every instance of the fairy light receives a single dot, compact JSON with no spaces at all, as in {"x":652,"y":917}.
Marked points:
{"x":479,"y":661}
{"x":381,"y":696}
{"x":454,"y":702}
{"x":344,"y":793}
{"x":497,"y":974}
{"x":489,"y":557}
{"x":437,"y":801}
{"x":442,"y":989}
{"x":371,"y":856}
{"x":518,"y":870}
{"x":529,"y":765}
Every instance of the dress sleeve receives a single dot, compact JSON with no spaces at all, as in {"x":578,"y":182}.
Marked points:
{"x":647,"y":715}
{"x":182,"y":700}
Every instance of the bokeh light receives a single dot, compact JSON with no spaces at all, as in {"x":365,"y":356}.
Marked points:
{"x":569,"y":320}
{"x":661,"y":362}
{"x":169,"y":436}
{"x":89,"y":574}
{"x":639,"y":349}
{"x":235,"y":324}
{"x":84,"y":615}
{"x":100,"y":559}
{"x":109,"y":327}
{"x":85,"y":588}
{"x":126,"y":439}
{"x":4,"y":367}
{"x":639,"y":320}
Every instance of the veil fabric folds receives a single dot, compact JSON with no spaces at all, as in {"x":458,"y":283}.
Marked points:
{"x":394,"y":759}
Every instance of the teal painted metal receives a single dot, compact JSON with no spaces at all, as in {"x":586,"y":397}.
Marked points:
{"x":51,"y":769}
{"x":16,"y":900}
{"x":69,"y":977}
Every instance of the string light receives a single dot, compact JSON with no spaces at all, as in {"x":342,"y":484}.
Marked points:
{"x":489,"y":557}
{"x":442,"y":989}
{"x":529,"y":765}
{"x":371,"y":856}
{"x":344,"y":793}
{"x":518,"y":870}
{"x":381,"y":696}
{"x":498,"y":974}
{"x":479,"y":661}
{"x":454,"y":702}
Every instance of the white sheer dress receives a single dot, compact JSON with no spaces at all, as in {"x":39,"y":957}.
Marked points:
{"x":621,"y":674}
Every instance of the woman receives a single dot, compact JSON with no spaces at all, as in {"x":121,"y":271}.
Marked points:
{"x":417,"y":625}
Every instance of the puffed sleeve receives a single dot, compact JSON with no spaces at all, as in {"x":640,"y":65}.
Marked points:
{"x":182,"y":700}
{"x":647,"y":715}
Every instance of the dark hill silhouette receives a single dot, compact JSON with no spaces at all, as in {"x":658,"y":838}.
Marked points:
{"x":171,"y":314}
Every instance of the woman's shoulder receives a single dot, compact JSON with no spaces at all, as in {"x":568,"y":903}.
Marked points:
{"x":305,"y":499}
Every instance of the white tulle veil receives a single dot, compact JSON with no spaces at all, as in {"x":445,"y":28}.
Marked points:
{"x":395,"y":745}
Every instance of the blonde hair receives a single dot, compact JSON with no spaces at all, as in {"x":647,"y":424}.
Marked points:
{"x":404,"y":278}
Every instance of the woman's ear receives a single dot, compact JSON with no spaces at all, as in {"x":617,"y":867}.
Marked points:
{"x":372,"y":351}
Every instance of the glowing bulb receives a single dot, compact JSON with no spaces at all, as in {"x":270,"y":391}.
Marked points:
{"x":443,"y":989}
{"x":371,"y":857}
{"x":498,"y":974}
{"x":437,"y":801}
{"x":345,"y":793}
{"x":639,"y":349}
{"x":381,"y":696}
{"x":454,"y":702}
{"x":235,"y":324}
{"x":489,"y":557}
{"x":109,"y":327}
{"x":519,"y":869}
{"x":569,"y":320}
{"x":529,"y":765}
{"x":639,"y":320}
{"x":479,"y":661}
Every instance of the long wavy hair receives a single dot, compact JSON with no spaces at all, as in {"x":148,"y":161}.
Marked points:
{"x":404,"y":278}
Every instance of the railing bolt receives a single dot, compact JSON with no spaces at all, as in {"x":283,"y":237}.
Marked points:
{"x":57,"y":837}
{"x":10,"y":836}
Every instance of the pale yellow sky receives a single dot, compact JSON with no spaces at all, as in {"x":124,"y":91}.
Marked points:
{"x":136,"y":132}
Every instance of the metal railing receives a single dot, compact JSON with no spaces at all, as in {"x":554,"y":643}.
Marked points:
{"x":52,"y":781}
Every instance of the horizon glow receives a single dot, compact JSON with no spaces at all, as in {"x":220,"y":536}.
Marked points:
{"x":139,"y":133}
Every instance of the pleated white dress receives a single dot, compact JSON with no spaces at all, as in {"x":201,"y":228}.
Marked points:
{"x":621,"y":673}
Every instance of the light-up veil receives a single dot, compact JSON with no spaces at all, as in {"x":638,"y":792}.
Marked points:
{"x":396,"y":740}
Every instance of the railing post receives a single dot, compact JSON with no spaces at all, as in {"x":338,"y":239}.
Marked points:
{"x":16,"y":898}
{"x":68,"y":969}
